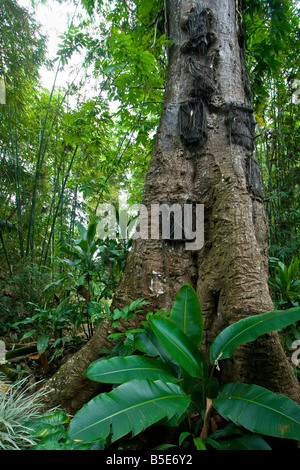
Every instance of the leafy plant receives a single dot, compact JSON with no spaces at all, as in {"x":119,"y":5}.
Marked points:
{"x":285,"y":287}
{"x":286,"y":283}
{"x":97,"y":266}
{"x":84,"y":254}
{"x":125,"y":339}
{"x":172,"y":380}
{"x":18,"y":405}
{"x":50,"y":434}
{"x":48,"y":322}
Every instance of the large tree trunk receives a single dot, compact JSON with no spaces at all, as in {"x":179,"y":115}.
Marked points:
{"x":204,"y":155}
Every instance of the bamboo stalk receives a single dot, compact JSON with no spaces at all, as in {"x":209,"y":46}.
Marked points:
{"x":59,"y":202}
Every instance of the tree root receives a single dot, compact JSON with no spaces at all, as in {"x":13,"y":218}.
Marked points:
{"x":69,"y":388}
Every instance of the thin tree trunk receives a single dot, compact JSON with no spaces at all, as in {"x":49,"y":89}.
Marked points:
{"x":51,"y":208}
{"x":74,"y":211}
{"x":6,"y":254}
{"x":60,"y":201}
{"x":208,"y":159}
{"x":14,"y":140}
{"x":39,"y":163}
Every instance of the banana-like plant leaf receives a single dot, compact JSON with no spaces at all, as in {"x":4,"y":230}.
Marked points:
{"x":232,"y":437}
{"x":259,"y":410}
{"x":249,"y":329}
{"x":186,"y":313}
{"x":247,"y":442}
{"x":91,"y":230}
{"x":82,"y":230}
{"x":179,"y":346}
{"x":131,"y":407}
{"x":117,"y":370}
{"x":147,"y":343}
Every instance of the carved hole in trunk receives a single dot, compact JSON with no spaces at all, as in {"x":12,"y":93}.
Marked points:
{"x":192,"y":122}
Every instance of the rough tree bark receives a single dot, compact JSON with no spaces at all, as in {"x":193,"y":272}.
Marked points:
{"x":203,"y":155}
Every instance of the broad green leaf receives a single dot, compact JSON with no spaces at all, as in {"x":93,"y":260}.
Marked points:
{"x":49,"y":424}
{"x":244,"y":442}
{"x":70,"y":262}
{"x":186,"y":313}
{"x":199,"y":444}
{"x":131,"y":407}
{"x":94,"y":309}
{"x":80,"y":280}
{"x":118,"y":370}
{"x":82,"y":230}
{"x":249,"y":329}
{"x":232,"y":437}
{"x":259,"y":410}
{"x":179,"y":346}
{"x":137,"y":304}
{"x":147,"y":343}
{"x":91,"y":230}
{"x":83,"y":244}
{"x":184,"y":435}
{"x":42,"y":343}
{"x":106,"y":308}
{"x":80,"y":251}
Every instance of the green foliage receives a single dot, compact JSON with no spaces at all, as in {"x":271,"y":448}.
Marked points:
{"x":272,"y":38}
{"x":271,"y":35}
{"x":78,"y":299}
{"x":48,"y":322}
{"x":285,"y":283}
{"x":179,"y":346}
{"x":268,"y":26}
{"x":20,"y":37}
{"x":249,"y":329}
{"x":18,"y":405}
{"x":97,"y":263}
{"x":233,"y":437}
{"x":58,"y":161}
{"x":123,"y":369}
{"x":125,"y":340}
{"x":186,"y":314}
{"x":147,"y":395}
{"x":244,"y":404}
{"x":50,"y":433}
{"x":285,"y":288}
{"x":131,"y":407}
{"x":21,"y":293}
